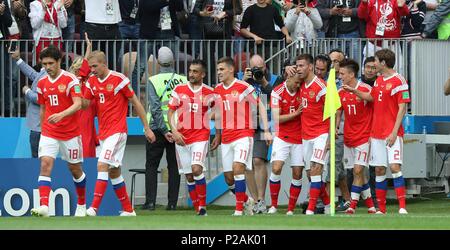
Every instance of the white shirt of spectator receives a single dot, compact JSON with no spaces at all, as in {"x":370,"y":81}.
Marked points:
{"x":42,"y":28}
{"x":14,"y":29}
{"x":96,"y":11}
{"x":218,"y":7}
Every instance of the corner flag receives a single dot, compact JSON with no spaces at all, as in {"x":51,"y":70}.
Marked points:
{"x":332,"y":104}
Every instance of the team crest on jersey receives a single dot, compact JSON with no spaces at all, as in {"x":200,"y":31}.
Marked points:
{"x":109,"y":87}
{"x":77,"y":89}
{"x":388,"y":86}
{"x":234,"y":93}
{"x":62,"y":88}
{"x":311,"y":94}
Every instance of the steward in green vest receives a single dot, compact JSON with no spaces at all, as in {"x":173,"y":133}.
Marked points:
{"x":160,"y":89}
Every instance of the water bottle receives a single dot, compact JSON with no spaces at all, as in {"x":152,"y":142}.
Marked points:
{"x":424,"y":130}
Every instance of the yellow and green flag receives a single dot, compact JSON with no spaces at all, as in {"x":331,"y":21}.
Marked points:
{"x":332,"y":104}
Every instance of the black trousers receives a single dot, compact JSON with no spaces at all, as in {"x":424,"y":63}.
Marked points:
{"x":154,"y":153}
{"x":106,"y":33}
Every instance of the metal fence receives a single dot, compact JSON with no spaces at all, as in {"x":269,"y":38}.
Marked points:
{"x":136,"y":56}
{"x":430,"y":70}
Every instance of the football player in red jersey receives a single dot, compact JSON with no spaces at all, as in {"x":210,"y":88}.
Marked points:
{"x":190,"y":130}
{"x":236,"y":104}
{"x":314,"y":130}
{"x":390,"y":96}
{"x":286,"y":109}
{"x":112,"y":92}
{"x":59,"y":95}
{"x":358,"y":122}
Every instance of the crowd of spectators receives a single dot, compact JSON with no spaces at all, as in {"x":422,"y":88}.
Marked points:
{"x":63,"y":22}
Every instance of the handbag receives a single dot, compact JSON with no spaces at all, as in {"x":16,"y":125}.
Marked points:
{"x":213,"y":30}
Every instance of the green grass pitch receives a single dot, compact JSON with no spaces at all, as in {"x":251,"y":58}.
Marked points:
{"x":430,"y":212}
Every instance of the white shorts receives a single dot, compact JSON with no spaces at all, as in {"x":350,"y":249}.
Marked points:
{"x":70,"y":150}
{"x":240,"y":150}
{"x":383,"y":155}
{"x":357,"y":155}
{"x":281,"y":151}
{"x":112,"y":149}
{"x":315,"y":150}
{"x":192,"y":154}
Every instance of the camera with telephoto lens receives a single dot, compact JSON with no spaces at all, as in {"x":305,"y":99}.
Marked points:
{"x":257,"y":73}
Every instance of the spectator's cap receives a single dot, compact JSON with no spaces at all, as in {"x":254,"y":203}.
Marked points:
{"x":165,"y":56}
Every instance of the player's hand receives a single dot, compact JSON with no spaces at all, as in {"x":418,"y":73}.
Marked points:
{"x":215,"y":142}
{"x":268,"y":137}
{"x":299,"y":110}
{"x":178,"y":138}
{"x":391,"y":139}
{"x":169,"y":137}
{"x":291,"y":70}
{"x":55,"y":118}
{"x":149,"y":135}
{"x":348,"y":88}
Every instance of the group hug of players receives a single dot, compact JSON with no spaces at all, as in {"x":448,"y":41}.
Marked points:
{"x":372,"y":130}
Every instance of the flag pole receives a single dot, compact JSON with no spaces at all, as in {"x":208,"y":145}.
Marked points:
{"x":332,"y":103}
{"x":332,"y":161}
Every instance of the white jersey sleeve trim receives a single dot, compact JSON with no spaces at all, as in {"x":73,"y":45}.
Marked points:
{"x":400,"y":88}
{"x":121,"y":85}
{"x":71,"y":85}
{"x":320,"y":94}
{"x":247,"y":91}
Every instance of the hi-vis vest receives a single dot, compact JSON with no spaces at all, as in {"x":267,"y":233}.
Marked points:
{"x":443,"y":29}
{"x":160,"y":81}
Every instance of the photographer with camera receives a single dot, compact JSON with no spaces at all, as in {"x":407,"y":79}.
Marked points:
{"x":263,"y":81}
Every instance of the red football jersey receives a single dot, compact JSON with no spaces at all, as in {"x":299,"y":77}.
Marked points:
{"x":287,"y":102}
{"x":387,"y":95}
{"x":313,"y":101}
{"x":56,"y":95}
{"x":192,"y":111}
{"x":237,"y":103}
{"x":111,"y":95}
{"x":358,"y":116}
